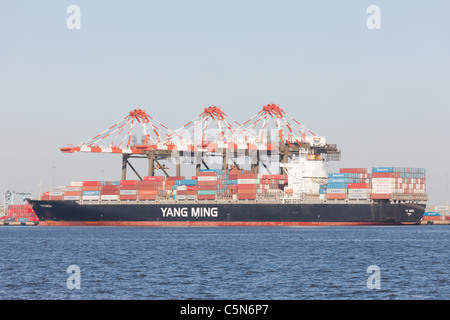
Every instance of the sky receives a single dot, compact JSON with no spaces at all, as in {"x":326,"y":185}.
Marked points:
{"x":382,"y":95}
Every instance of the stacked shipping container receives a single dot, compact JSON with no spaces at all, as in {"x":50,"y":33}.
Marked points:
{"x":386,"y":183}
{"x":208,"y":185}
{"x":398,"y":183}
{"x":349,"y":183}
{"x":20,"y":213}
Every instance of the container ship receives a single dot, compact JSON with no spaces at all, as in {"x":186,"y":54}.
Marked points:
{"x":238,"y":198}
{"x":16,"y":211}
{"x":301,"y":193}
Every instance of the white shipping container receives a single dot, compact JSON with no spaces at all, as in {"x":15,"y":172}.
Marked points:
{"x":248,"y":181}
{"x":336,"y":190}
{"x":109,"y":197}
{"x":71,"y":198}
{"x":388,"y":190}
{"x":358,"y":191}
{"x":207,"y":178}
{"x":56,"y":193}
{"x":382,"y":185}
{"x":441,"y":208}
{"x":69,"y":188}
{"x":91,"y":197}
{"x":128,"y":192}
{"x":383,"y":180}
{"x":191,"y":197}
{"x":358,"y":196}
{"x":181,"y":197}
{"x":76,"y":183}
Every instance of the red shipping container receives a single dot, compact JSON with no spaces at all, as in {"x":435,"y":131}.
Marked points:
{"x":207,"y":173}
{"x":173,"y":178}
{"x":353,"y":170}
{"x":191,"y":188}
{"x":128,"y":187}
{"x":247,"y":176}
{"x":206,"y":187}
{"x":111,"y":187}
{"x":359,"y":185}
{"x":91,"y":183}
{"x":207,"y":183}
{"x":385,"y":174}
{"x":433,"y":218}
{"x":110,"y":192}
{"x":149,"y":183}
{"x":154,"y":178}
{"x":128,"y":182}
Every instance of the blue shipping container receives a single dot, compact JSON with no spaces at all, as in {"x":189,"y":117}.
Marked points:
{"x":337,"y":186}
{"x":383,"y":169}
{"x":430,"y":213}
{"x":186,"y":182}
{"x":91,"y":193}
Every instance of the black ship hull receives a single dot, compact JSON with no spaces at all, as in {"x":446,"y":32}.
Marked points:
{"x":71,"y":213}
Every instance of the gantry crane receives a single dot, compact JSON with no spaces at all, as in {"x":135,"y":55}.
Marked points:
{"x":212,"y":132}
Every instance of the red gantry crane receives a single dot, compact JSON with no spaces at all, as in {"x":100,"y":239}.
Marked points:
{"x":211,"y":133}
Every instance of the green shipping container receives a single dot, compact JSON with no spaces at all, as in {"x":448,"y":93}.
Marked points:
{"x":206,"y":192}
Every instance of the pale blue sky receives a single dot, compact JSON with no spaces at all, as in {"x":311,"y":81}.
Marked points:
{"x":382,"y":95}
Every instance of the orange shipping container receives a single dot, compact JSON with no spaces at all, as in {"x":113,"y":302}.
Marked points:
{"x":246,"y":196}
{"x":91,"y":188}
{"x":247,"y":186}
{"x":73,"y":193}
{"x":147,"y":196}
{"x":144,"y":192}
{"x":207,"y":183}
{"x":380,"y":196}
{"x":246,"y":191}
{"x":336,"y":196}
{"x":148,"y":187}
{"x":206,"y":197}
{"x":128,"y":197}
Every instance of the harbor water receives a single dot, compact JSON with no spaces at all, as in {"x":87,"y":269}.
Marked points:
{"x":257,"y":263}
